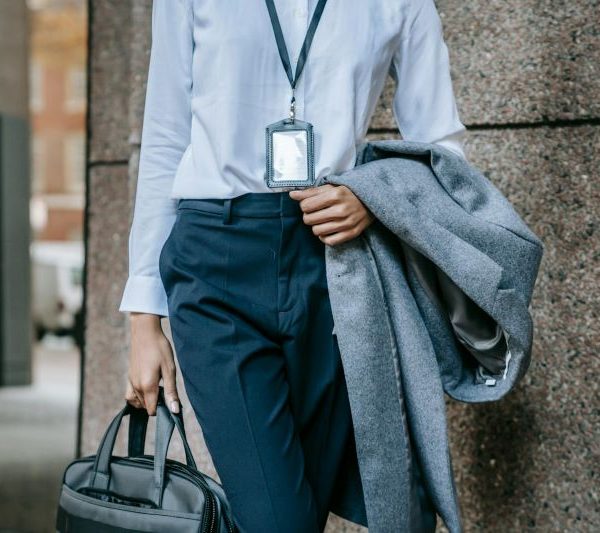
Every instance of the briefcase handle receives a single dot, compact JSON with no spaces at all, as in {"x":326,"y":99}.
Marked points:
{"x":166,"y":421}
{"x":138,"y":425}
{"x":136,"y":440}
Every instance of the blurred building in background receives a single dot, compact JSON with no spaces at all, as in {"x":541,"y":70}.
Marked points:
{"x":57,"y":71}
{"x":57,"y":104}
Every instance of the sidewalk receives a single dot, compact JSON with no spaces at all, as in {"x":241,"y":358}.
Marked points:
{"x":38,"y":434}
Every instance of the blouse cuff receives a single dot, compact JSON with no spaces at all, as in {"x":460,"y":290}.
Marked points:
{"x":454,"y":142}
{"x":144,"y":294}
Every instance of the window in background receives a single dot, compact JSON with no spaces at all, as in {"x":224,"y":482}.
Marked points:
{"x":38,"y":168}
{"x":36,"y":89}
{"x":74,"y":162}
{"x":75,"y":89}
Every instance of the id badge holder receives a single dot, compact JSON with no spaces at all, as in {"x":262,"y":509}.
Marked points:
{"x":290,"y":154}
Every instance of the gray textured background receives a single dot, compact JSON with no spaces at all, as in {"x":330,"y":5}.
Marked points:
{"x":526,"y":76}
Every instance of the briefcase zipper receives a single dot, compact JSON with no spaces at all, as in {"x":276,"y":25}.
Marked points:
{"x":208,"y":490}
{"x":208,"y":495}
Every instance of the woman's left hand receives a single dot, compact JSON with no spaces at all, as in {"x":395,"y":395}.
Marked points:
{"x":334,"y":212}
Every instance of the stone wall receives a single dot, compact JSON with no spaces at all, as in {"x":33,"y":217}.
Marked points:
{"x":526,"y":76}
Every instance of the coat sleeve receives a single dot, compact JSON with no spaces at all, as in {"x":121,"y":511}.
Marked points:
{"x":424,"y":105}
{"x":165,"y":137}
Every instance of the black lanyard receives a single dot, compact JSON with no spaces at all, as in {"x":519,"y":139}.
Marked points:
{"x":283,"y":53}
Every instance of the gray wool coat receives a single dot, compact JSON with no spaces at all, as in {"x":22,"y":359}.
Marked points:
{"x":432,"y":298}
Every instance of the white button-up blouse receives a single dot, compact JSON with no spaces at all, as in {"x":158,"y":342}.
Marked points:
{"x":215,"y":80}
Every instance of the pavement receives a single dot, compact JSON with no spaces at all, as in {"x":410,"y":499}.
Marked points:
{"x":38,"y":430}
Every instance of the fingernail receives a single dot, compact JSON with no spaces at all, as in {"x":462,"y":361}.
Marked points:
{"x":175,"y":406}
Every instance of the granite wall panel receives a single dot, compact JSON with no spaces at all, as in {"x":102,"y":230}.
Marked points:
{"x":529,"y":462}
{"x":105,"y":363}
{"x":524,"y":60}
{"x":110,"y":84}
{"x":519,"y":61}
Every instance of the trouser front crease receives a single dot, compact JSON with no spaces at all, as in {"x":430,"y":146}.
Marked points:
{"x":252,"y":330}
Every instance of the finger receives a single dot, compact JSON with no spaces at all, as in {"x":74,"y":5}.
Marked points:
{"x":150,"y":399}
{"x":140,"y":398}
{"x":332,"y":213}
{"x":137,"y":389}
{"x":316,"y":197}
{"x":323,"y":200}
{"x":129,"y":393}
{"x":338,"y":238}
{"x":300,"y":194}
{"x":331,"y":223}
{"x":332,"y":227}
{"x":131,"y":396}
{"x":170,"y":389}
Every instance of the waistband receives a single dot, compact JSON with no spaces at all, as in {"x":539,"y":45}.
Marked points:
{"x":251,"y":204}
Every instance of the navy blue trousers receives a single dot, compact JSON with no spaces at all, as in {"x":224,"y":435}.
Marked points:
{"x":252,"y":330}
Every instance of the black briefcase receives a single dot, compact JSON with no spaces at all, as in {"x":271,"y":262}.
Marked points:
{"x":104,"y":493}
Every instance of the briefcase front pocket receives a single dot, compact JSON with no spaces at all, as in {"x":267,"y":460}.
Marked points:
{"x":81,"y":513}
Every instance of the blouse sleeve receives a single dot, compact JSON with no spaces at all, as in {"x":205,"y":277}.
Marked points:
{"x":165,"y":137}
{"x":424,"y":105}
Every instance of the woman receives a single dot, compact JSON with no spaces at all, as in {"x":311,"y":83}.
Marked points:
{"x":238,"y":266}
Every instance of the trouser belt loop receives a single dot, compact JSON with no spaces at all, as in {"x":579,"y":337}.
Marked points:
{"x":227,"y":211}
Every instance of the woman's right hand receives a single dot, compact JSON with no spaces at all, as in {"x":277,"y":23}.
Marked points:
{"x":150,"y":358}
